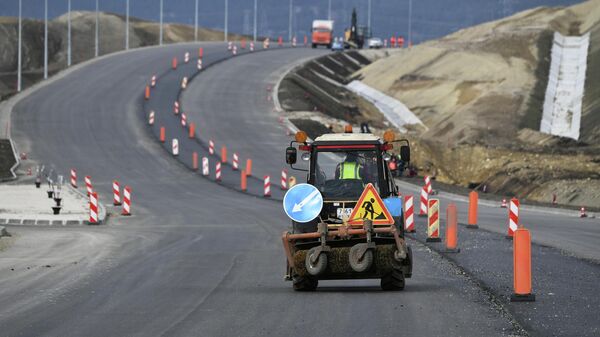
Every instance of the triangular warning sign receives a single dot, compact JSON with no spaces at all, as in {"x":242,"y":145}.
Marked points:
{"x":370,"y":206}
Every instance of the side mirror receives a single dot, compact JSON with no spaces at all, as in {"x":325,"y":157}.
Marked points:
{"x":291,"y":155}
{"x":405,"y":153}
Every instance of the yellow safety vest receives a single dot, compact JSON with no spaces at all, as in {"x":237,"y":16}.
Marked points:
{"x":349,"y":170}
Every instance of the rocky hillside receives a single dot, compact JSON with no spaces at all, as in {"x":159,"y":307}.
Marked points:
{"x":112,"y":38}
{"x":480,"y":93}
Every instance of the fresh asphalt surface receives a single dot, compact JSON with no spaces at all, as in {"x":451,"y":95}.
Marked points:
{"x":196,"y":258}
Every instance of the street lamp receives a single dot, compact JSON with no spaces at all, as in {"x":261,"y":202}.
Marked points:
{"x":19,"y":52}
{"x":97,"y":21}
{"x":127,"y":25}
{"x":45,"y":39}
{"x":160,"y":34}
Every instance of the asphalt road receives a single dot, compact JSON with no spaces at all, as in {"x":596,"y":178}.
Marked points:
{"x":196,"y":258}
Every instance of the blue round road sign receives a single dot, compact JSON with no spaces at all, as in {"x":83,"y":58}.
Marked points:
{"x":303,"y":203}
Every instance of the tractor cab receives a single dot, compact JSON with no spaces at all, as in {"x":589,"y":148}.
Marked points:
{"x":341,"y":167}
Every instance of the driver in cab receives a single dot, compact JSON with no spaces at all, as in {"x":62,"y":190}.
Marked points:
{"x":350,"y":168}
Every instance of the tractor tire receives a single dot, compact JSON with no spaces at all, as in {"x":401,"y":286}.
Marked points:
{"x":304,"y":283}
{"x":318,"y":267}
{"x":394,"y":281}
{"x":357,"y":264}
{"x":408,"y":263}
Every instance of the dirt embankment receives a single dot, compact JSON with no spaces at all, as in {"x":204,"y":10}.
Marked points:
{"x":480,"y":93}
{"x":112,"y":38}
{"x":316,"y":100}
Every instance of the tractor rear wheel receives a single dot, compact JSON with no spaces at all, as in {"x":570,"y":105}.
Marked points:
{"x":393,"y":281}
{"x":304,"y":283}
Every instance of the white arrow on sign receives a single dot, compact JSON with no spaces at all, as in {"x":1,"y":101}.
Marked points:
{"x":298,"y":207}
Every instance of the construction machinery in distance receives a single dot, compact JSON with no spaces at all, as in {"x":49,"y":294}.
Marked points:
{"x":355,"y":36}
{"x":358,"y":231}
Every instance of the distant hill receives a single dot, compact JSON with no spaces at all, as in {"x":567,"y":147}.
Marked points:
{"x":112,"y":33}
{"x":480,"y":92}
{"x":431,"y":18}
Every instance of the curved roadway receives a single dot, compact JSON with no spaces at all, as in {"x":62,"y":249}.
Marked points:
{"x":195,"y":258}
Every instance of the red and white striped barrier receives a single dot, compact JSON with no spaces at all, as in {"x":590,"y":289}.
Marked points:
{"x":229,"y":45}
{"x":433,"y":221}
{"x":235,"y":163}
{"x":424,"y":198}
{"x":186,"y":57}
{"x":428,"y":187}
{"x":409,"y":214}
{"x":266,"y":43}
{"x":251,"y":46}
{"x":503,"y":204}
{"x":183,"y":119}
{"x":151,"y":118}
{"x":234,"y":50}
{"x":218,"y":171}
{"x":116,"y":193}
{"x":88,"y":185}
{"x":205,"y":169}
{"x":94,"y":208}
{"x":284,"y":180}
{"x":126,"y":201}
{"x":153,"y":81}
{"x":267,"y":186}
{"x":211,"y":147}
{"x":175,"y":146}
{"x":582,"y":213}
{"x":184,"y":82}
{"x":199,"y":64}
{"x":74,"y":178}
{"x":513,"y":217}
{"x":176,"y":107}
{"x":294,"y":41}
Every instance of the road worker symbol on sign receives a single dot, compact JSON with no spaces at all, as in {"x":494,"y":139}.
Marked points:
{"x":370,"y":206}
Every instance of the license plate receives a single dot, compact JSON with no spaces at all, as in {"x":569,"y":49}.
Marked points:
{"x":344,"y":212}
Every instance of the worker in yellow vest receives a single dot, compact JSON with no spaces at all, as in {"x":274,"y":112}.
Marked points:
{"x":349,"y":168}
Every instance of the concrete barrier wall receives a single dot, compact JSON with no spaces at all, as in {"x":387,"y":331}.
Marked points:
{"x":564,"y":94}
{"x":395,"y":111}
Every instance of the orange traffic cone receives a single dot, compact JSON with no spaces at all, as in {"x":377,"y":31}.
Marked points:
{"x":582,"y":213}
{"x":451,"y":230}
{"x":473,"y":201}
{"x":503,"y":205}
{"x":522,"y":266}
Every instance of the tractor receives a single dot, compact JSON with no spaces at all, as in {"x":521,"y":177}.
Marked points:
{"x":343,"y":242}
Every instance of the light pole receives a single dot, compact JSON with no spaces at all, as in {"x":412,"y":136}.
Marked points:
{"x":196,"y":21}
{"x":369,"y":18}
{"x":255,"y":14}
{"x":410,"y":23}
{"x":19,"y":52}
{"x":226,"y":18}
{"x":127,"y":25}
{"x":329,"y":11}
{"x":290,"y":22}
{"x":45,"y":39}
{"x":160,"y":34}
{"x":97,"y":21}
{"x":69,"y":33}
